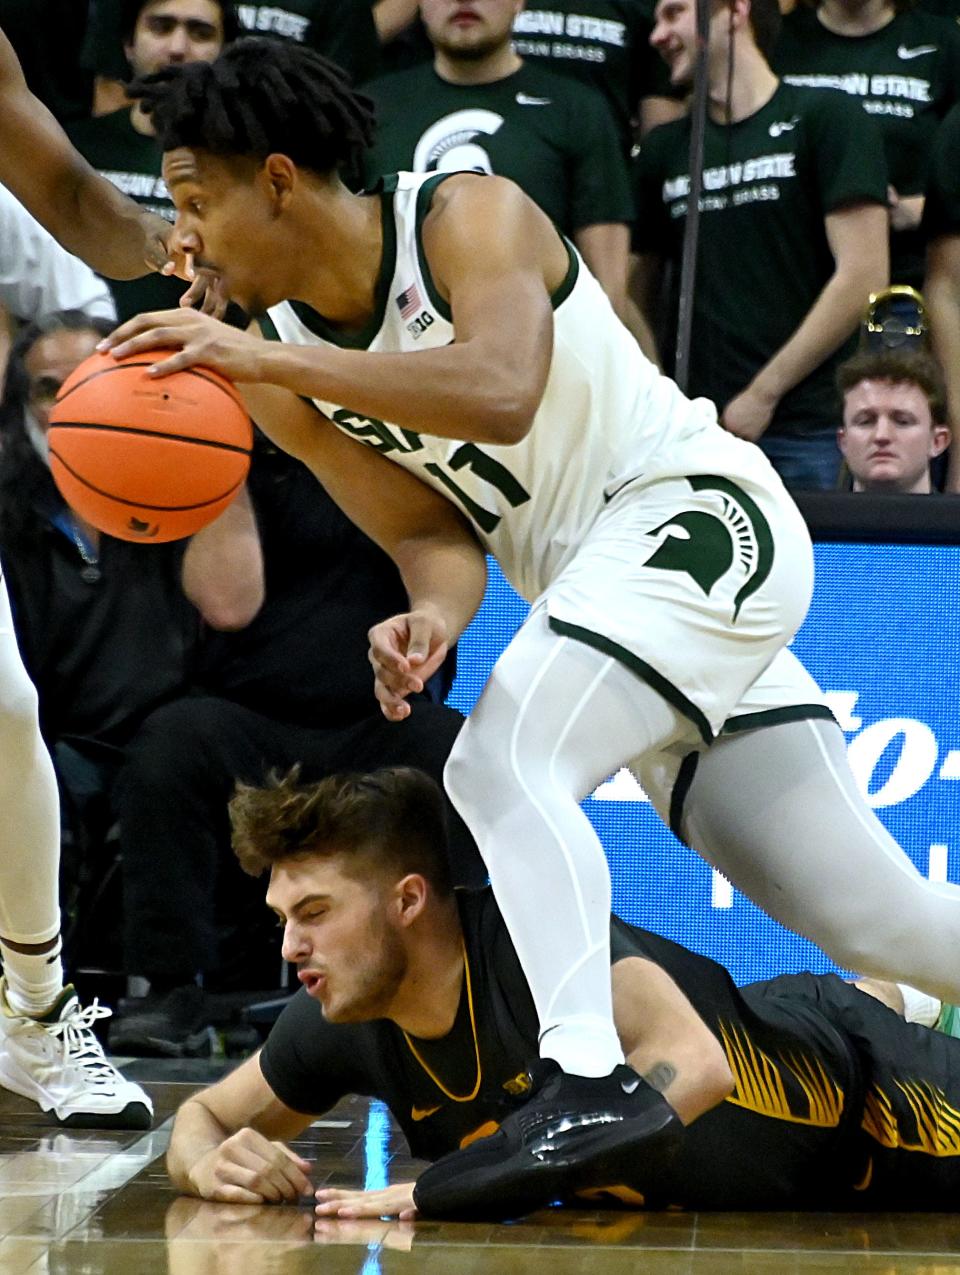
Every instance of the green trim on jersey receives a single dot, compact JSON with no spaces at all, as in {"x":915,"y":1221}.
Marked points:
{"x":362,"y":339}
{"x":569,"y":281}
{"x":642,"y":669}
{"x":678,"y":797}
{"x":776,"y":717}
{"x":424,"y":199}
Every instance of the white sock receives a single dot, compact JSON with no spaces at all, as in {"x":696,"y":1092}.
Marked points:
{"x":32,"y":982}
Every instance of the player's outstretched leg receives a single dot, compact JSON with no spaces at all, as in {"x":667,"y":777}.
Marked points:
{"x":777,"y":810}
{"x":573,"y":1133}
{"x":48,"y":1052}
{"x":555,"y":718}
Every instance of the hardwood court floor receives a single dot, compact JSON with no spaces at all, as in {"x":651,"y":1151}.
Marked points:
{"x":89,"y":1203}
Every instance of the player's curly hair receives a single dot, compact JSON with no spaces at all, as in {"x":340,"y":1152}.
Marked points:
{"x":388,"y":820}
{"x":260,"y":97}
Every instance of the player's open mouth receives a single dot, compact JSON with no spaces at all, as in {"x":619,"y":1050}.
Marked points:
{"x":311,"y":980}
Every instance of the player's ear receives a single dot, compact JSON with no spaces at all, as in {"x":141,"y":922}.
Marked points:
{"x":280,"y":173}
{"x":410,"y":896}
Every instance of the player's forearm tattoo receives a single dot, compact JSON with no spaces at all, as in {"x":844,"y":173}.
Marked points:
{"x":660,"y":1076}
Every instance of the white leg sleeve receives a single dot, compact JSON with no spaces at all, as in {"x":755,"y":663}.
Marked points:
{"x":555,"y":718}
{"x":777,"y":810}
{"x":30,"y":838}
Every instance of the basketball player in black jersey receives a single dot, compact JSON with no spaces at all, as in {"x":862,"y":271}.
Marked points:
{"x":801,"y":1092}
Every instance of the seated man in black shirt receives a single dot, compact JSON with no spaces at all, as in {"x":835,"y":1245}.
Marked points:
{"x":801,"y":1092}
{"x":282,"y":678}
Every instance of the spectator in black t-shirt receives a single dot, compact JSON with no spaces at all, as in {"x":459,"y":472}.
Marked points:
{"x":792,"y":235}
{"x":342,"y":30}
{"x":287,"y":681}
{"x":121,"y":145}
{"x":894,"y":420}
{"x":480,"y":107}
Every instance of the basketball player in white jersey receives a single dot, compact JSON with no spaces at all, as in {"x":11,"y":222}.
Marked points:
{"x":443,"y":324}
{"x":48,"y":1050}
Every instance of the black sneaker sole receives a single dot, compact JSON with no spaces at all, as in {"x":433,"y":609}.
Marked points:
{"x":493,"y":1189}
{"x":134,"y":1116}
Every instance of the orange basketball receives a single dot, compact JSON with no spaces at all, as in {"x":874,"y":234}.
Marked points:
{"x":146,"y":459}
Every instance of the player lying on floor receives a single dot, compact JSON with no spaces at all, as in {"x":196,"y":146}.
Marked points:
{"x":800,"y":1092}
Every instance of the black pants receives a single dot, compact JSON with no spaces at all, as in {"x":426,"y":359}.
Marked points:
{"x":182,"y":886}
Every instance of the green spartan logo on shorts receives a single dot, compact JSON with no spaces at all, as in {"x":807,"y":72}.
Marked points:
{"x":705,"y":546}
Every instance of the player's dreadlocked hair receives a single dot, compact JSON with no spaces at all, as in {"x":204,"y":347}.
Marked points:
{"x":261,"y":96}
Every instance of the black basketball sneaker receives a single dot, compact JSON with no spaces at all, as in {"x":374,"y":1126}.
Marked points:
{"x":572,"y":1133}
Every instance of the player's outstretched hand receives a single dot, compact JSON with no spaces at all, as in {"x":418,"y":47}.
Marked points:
{"x":405,"y":652}
{"x":248,"y":1168}
{"x":199,"y":339}
{"x":206,"y":291}
{"x":392,"y":1201}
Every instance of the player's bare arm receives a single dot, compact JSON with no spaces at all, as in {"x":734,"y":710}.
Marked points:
{"x":439,"y":558}
{"x":666,"y":1040}
{"x":84,"y":211}
{"x":229,"y":1143}
{"x":859,"y":241}
{"x":495,"y":258}
{"x":89,"y":216}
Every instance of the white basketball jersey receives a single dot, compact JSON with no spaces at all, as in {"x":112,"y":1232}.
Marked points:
{"x":607,"y":416}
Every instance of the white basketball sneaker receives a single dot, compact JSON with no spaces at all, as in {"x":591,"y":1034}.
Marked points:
{"x":58,"y":1062}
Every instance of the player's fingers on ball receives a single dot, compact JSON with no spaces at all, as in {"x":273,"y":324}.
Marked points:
{"x":175,"y":363}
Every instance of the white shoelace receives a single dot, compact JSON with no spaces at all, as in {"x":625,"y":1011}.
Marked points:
{"x":80,"y":1046}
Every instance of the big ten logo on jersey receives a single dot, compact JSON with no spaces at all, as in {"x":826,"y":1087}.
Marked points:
{"x":419,"y":324}
{"x":467,"y":459}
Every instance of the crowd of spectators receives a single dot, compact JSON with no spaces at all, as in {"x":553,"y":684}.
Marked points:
{"x":831,"y":168}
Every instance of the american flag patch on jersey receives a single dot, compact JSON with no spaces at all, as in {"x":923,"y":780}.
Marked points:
{"x":409,"y":301}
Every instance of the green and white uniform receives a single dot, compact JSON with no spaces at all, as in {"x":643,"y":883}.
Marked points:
{"x":667,"y":567}
{"x":583,"y":513}
{"x":906,"y":76}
